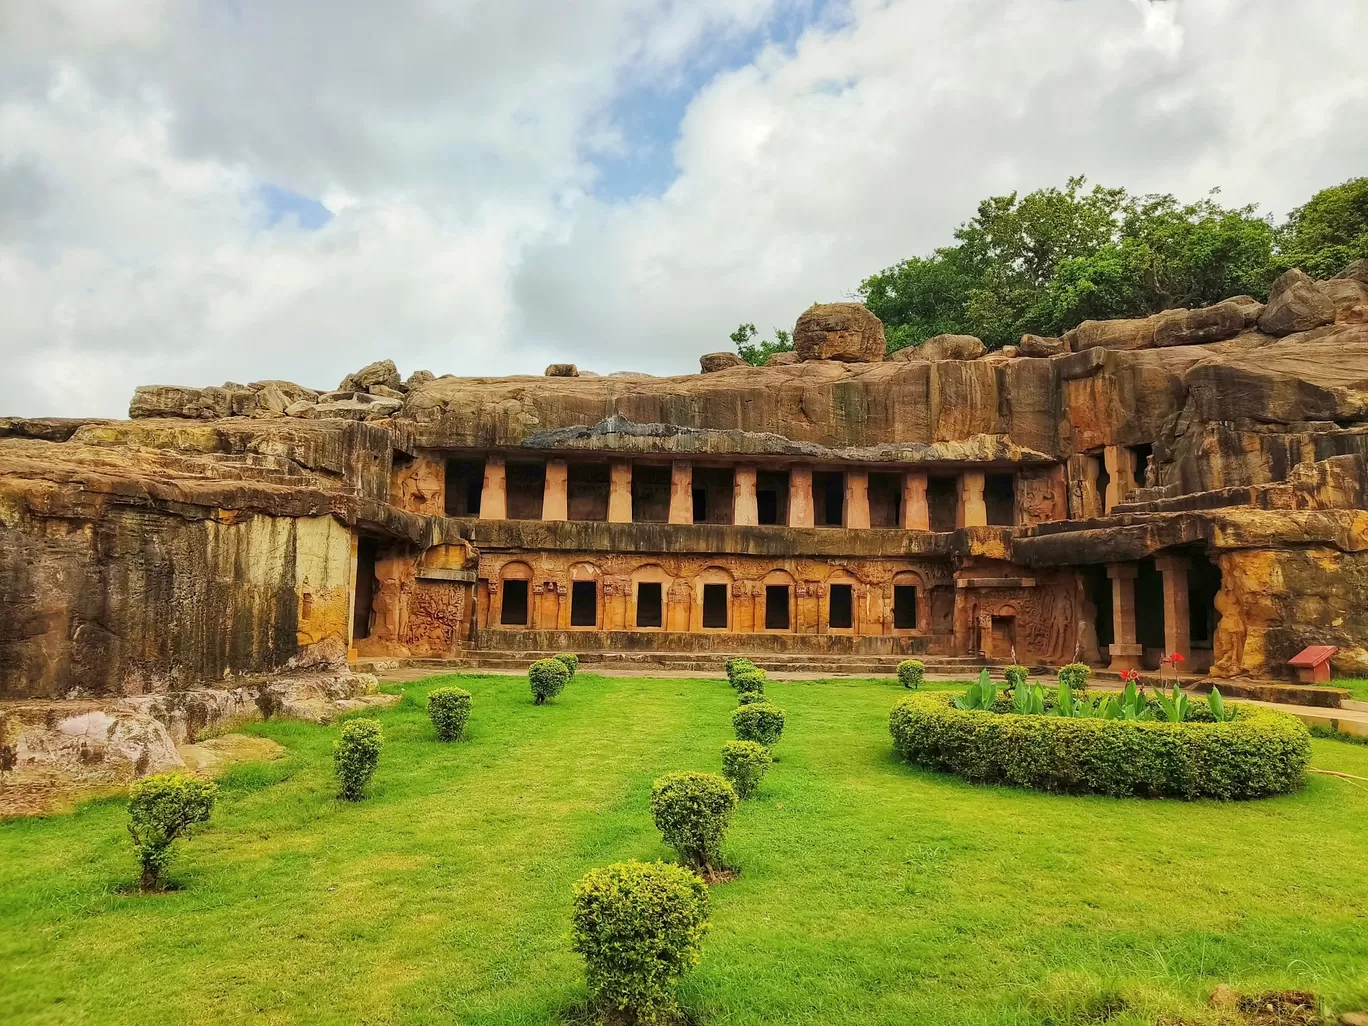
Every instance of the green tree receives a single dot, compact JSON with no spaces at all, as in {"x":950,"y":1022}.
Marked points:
{"x":1328,"y":231}
{"x":756,"y":352}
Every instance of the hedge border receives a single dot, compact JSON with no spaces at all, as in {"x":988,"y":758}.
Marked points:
{"x":1259,"y":753}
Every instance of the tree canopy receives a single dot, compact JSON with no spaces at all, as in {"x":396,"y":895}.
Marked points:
{"x":1046,"y":261}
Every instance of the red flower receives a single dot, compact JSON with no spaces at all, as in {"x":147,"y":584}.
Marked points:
{"x":1129,"y":675}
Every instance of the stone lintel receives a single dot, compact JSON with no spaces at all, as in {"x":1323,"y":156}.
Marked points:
{"x":996,"y":582}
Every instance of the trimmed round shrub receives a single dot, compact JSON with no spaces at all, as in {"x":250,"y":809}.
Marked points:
{"x":738,"y":665}
{"x":1015,"y":676}
{"x":162,"y":808}
{"x":749,"y":698}
{"x":745,"y":764}
{"x":692,"y":811}
{"x":547,"y":678}
{"x":750,"y":680}
{"x":449,"y":709}
{"x":1076,"y":675}
{"x":639,"y":926}
{"x":759,"y":721}
{"x":911,"y":673}
{"x":355,"y":756}
{"x":571,"y":662}
{"x":1259,"y":753}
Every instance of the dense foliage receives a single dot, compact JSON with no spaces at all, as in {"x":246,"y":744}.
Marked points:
{"x":547,"y":678}
{"x":449,"y":709}
{"x":162,"y":808}
{"x":692,"y":812}
{"x":639,"y":926}
{"x":1043,"y":262}
{"x":355,"y":756}
{"x":745,"y":764}
{"x":755,"y":351}
{"x":571,"y":662}
{"x":752,"y":680}
{"x":911,"y":673}
{"x":750,"y":697}
{"x":759,"y":721}
{"x":1256,"y":754}
{"x":739,"y":665}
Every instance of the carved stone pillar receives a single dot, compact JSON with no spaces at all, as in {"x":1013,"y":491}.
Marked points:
{"x":745,"y":509}
{"x":1125,"y":651}
{"x":916,"y":514}
{"x":494,"y":498}
{"x":1177,"y":626}
{"x":620,"y":492}
{"x":857,"y":499}
{"x":972,"y":511}
{"x":1120,"y":463}
{"x":800,"y":511}
{"x":555,"y":497}
{"x":681,"y":492}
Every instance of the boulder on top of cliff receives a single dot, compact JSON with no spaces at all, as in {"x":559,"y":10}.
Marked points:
{"x":847,"y":332}
{"x":944,"y":347}
{"x":1350,"y":297}
{"x":1207,"y":324}
{"x":361,"y":406}
{"x":1295,"y":303}
{"x":418,"y":377}
{"x":561,"y":370}
{"x":784,"y":359}
{"x":288,"y":389}
{"x":381,"y":372}
{"x":1038,"y":345}
{"x":1358,"y":270}
{"x":710,"y":362}
{"x":1123,"y":333}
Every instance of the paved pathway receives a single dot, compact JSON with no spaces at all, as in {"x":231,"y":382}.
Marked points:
{"x":1352,"y":718}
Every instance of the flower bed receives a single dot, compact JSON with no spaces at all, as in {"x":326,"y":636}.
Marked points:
{"x":1258,"y":753}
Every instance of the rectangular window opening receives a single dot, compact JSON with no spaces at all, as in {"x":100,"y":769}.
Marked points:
{"x":365,"y":587}
{"x":828,"y":497}
{"x":464,"y":487}
{"x":714,"y":605}
{"x":904,"y":607}
{"x":841,"y":614}
{"x":650,"y":494}
{"x":649,"y":604}
{"x":771,"y":496}
{"x":942,"y":502}
{"x":1142,"y":454}
{"x":586,"y":492}
{"x":776,"y":607}
{"x":885,"y":500}
{"x":713,"y":495}
{"x":526,"y":485}
{"x":513,"y":609}
{"x":583,"y":603}
{"x":999,"y":498}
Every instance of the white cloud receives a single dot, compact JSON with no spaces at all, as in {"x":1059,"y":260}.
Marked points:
{"x":454,"y":144}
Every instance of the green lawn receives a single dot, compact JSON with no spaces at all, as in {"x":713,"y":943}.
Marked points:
{"x":870,"y":892}
{"x":1357,"y":686}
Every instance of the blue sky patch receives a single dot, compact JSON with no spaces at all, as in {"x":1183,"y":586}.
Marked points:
{"x":282,"y":203}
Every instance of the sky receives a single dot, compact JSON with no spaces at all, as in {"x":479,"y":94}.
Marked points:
{"x":200,"y":191}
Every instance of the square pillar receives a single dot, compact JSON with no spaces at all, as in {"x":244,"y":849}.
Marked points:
{"x":681,"y":492}
{"x":1120,"y":463}
{"x":1177,"y":626}
{"x":972,"y":511}
{"x":494,"y":498}
{"x":800,"y":512}
{"x":1125,"y":651}
{"x":916,"y":514}
{"x":857,"y":499}
{"x":620,"y":492}
{"x":555,"y":497}
{"x":745,"y":507}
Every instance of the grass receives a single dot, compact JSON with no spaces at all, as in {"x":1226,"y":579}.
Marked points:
{"x":870,"y":892}
{"x":1358,"y":687}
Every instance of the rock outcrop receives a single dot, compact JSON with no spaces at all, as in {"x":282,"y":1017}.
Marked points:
{"x":1295,"y":303}
{"x":562,"y":370}
{"x":381,"y":372}
{"x":712,"y":362}
{"x":945,"y":347}
{"x":846,"y":332}
{"x":1039,"y":346}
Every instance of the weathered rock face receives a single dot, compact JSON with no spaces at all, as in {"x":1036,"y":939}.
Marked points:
{"x":783,"y":359}
{"x":847,"y":332}
{"x":557,"y":370}
{"x":1209,"y":324}
{"x":1295,"y":303}
{"x":1358,"y":271}
{"x":712,"y":362}
{"x":1350,"y":297}
{"x":1136,"y":333}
